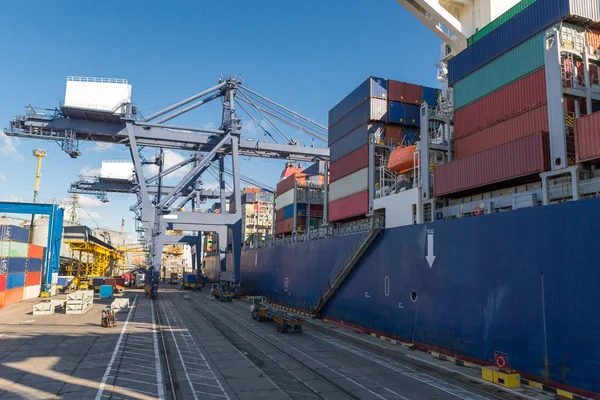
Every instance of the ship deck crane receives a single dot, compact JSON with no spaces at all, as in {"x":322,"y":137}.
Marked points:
{"x":120,"y":123}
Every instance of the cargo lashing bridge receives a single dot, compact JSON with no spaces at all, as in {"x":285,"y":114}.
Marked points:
{"x":159,"y":208}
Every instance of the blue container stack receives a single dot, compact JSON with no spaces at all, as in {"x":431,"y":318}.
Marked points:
{"x":106,"y":291}
{"x":13,"y":263}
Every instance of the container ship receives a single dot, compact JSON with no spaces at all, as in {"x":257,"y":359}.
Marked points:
{"x":460,"y":220}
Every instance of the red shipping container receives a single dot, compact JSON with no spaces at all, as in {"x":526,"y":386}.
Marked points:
{"x":33,"y":278}
{"x":523,"y":157}
{"x":288,"y":225}
{"x":35,"y":251}
{"x":279,"y":215}
{"x":348,"y":207}
{"x":394,"y":132}
{"x":278,"y":227}
{"x":348,"y":164}
{"x":404,"y":92}
{"x":515,"y":128}
{"x":2,"y":299}
{"x":520,"y":96}
{"x":587,"y":137}
{"x":13,"y":296}
{"x":2,"y":283}
{"x":110,"y":281}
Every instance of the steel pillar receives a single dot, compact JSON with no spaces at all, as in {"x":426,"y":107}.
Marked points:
{"x":554,"y":93}
{"x":424,"y":153}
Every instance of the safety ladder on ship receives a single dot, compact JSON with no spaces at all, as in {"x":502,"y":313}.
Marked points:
{"x":343,"y":269}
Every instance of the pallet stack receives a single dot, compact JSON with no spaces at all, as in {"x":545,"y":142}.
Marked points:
{"x":79,"y":302}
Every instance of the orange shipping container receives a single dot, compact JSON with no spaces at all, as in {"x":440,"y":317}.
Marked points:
{"x":587,"y":137}
{"x":13,"y":296}
{"x":35,"y":251}
{"x":33,"y":278}
{"x":522,"y":125}
{"x":2,"y":299}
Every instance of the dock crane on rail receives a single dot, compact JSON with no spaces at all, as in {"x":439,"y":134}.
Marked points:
{"x":106,"y":114}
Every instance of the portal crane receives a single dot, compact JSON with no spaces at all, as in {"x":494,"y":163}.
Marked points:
{"x":116,"y":121}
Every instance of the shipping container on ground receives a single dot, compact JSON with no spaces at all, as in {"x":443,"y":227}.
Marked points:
{"x":15,"y":280}
{"x":371,"y":88}
{"x":371,"y":110}
{"x":517,"y":97}
{"x":405,"y":92}
{"x":33,"y":278}
{"x":14,"y":233}
{"x":405,"y":114}
{"x":31,"y":292}
{"x":517,"y":127}
{"x":34,"y":264}
{"x":515,"y":64}
{"x":349,"y":207}
{"x":350,"y":163}
{"x":2,"y":293}
{"x":17,"y":265}
{"x":529,"y":22}
{"x":355,"y":139}
{"x":35,"y":251}
{"x":511,"y":12}
{"x":18,"y":250}
{"x":587,"y":137}
{"x":2,"y":282}
{"x":348,"y":185}
{"x":521,"y":158}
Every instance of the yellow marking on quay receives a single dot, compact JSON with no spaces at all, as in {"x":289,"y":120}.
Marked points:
{"x":564,"y":394}
{"x":536,"y":385}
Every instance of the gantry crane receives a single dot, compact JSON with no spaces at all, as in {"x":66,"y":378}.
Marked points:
{"x":117,"y":121}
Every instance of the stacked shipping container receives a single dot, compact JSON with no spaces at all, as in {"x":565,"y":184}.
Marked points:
{"x":385,"y":111}
{"x":296,"y":195}
{"x":500,"y":95}
{"x":20,"y":265}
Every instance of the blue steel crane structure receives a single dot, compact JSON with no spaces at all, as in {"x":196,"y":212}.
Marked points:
{"x":69,"y":125}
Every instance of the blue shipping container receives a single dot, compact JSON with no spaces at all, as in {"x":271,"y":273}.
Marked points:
{"x":288,"y":211}
{"x":15,"y":280}
{"x":372,"y":87}
{"x":430,"y":96}
{"x":17,"y":265}
{"x":405,"y":114}
{"x":14,"y":233}
{"x":106,"y":291}
{"x":34,"y":265}
{"x":515,"y":31}
{"x":354,"y":140}
{"x":190,"y":278}
{"x":250,"y":198}
{"x":411,"y":136}
{"x":370,"y":110}
{"x":98,"y":281}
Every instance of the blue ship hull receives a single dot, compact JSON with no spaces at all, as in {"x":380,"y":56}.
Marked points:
{"x":523,"y":282}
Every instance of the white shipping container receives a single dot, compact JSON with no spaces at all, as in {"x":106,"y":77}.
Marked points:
{"x":354,"y":183}
{"x":105,"y":94}
{"x":118,"y":169}
{"x":284,"y":199}
{"x":31,"y":292}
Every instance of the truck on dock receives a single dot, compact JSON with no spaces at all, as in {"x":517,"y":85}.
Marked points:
{"x":284,"y":322}
{"x":219,"y":293}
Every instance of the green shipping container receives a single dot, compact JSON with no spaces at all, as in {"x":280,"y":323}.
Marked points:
{"x":504,"y":70}
{"x":4,"y":248}
{"x":517,"y":8}
{"x":18,"y":250}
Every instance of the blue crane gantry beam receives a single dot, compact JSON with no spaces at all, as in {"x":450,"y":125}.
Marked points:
{"x":55,"y":230}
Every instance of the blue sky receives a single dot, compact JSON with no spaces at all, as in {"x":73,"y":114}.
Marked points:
{"x":305,"y":55}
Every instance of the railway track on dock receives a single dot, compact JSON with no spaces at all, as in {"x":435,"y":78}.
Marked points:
{"x":293,"y":386}
{"x":457,"y":385}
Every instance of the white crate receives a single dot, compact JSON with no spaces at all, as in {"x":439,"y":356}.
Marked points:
{"x":119,"y":304}
{"x":48,"y":307}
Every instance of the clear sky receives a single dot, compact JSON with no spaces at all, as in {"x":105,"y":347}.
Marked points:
{"x":305,"y":55}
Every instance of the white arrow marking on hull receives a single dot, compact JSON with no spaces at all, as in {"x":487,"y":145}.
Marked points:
{"x":430,"y":257}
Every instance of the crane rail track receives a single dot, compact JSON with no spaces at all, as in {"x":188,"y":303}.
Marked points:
{"x":469,"y":384}
{"x":171,"y":383}
{"x":217,"y":323}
